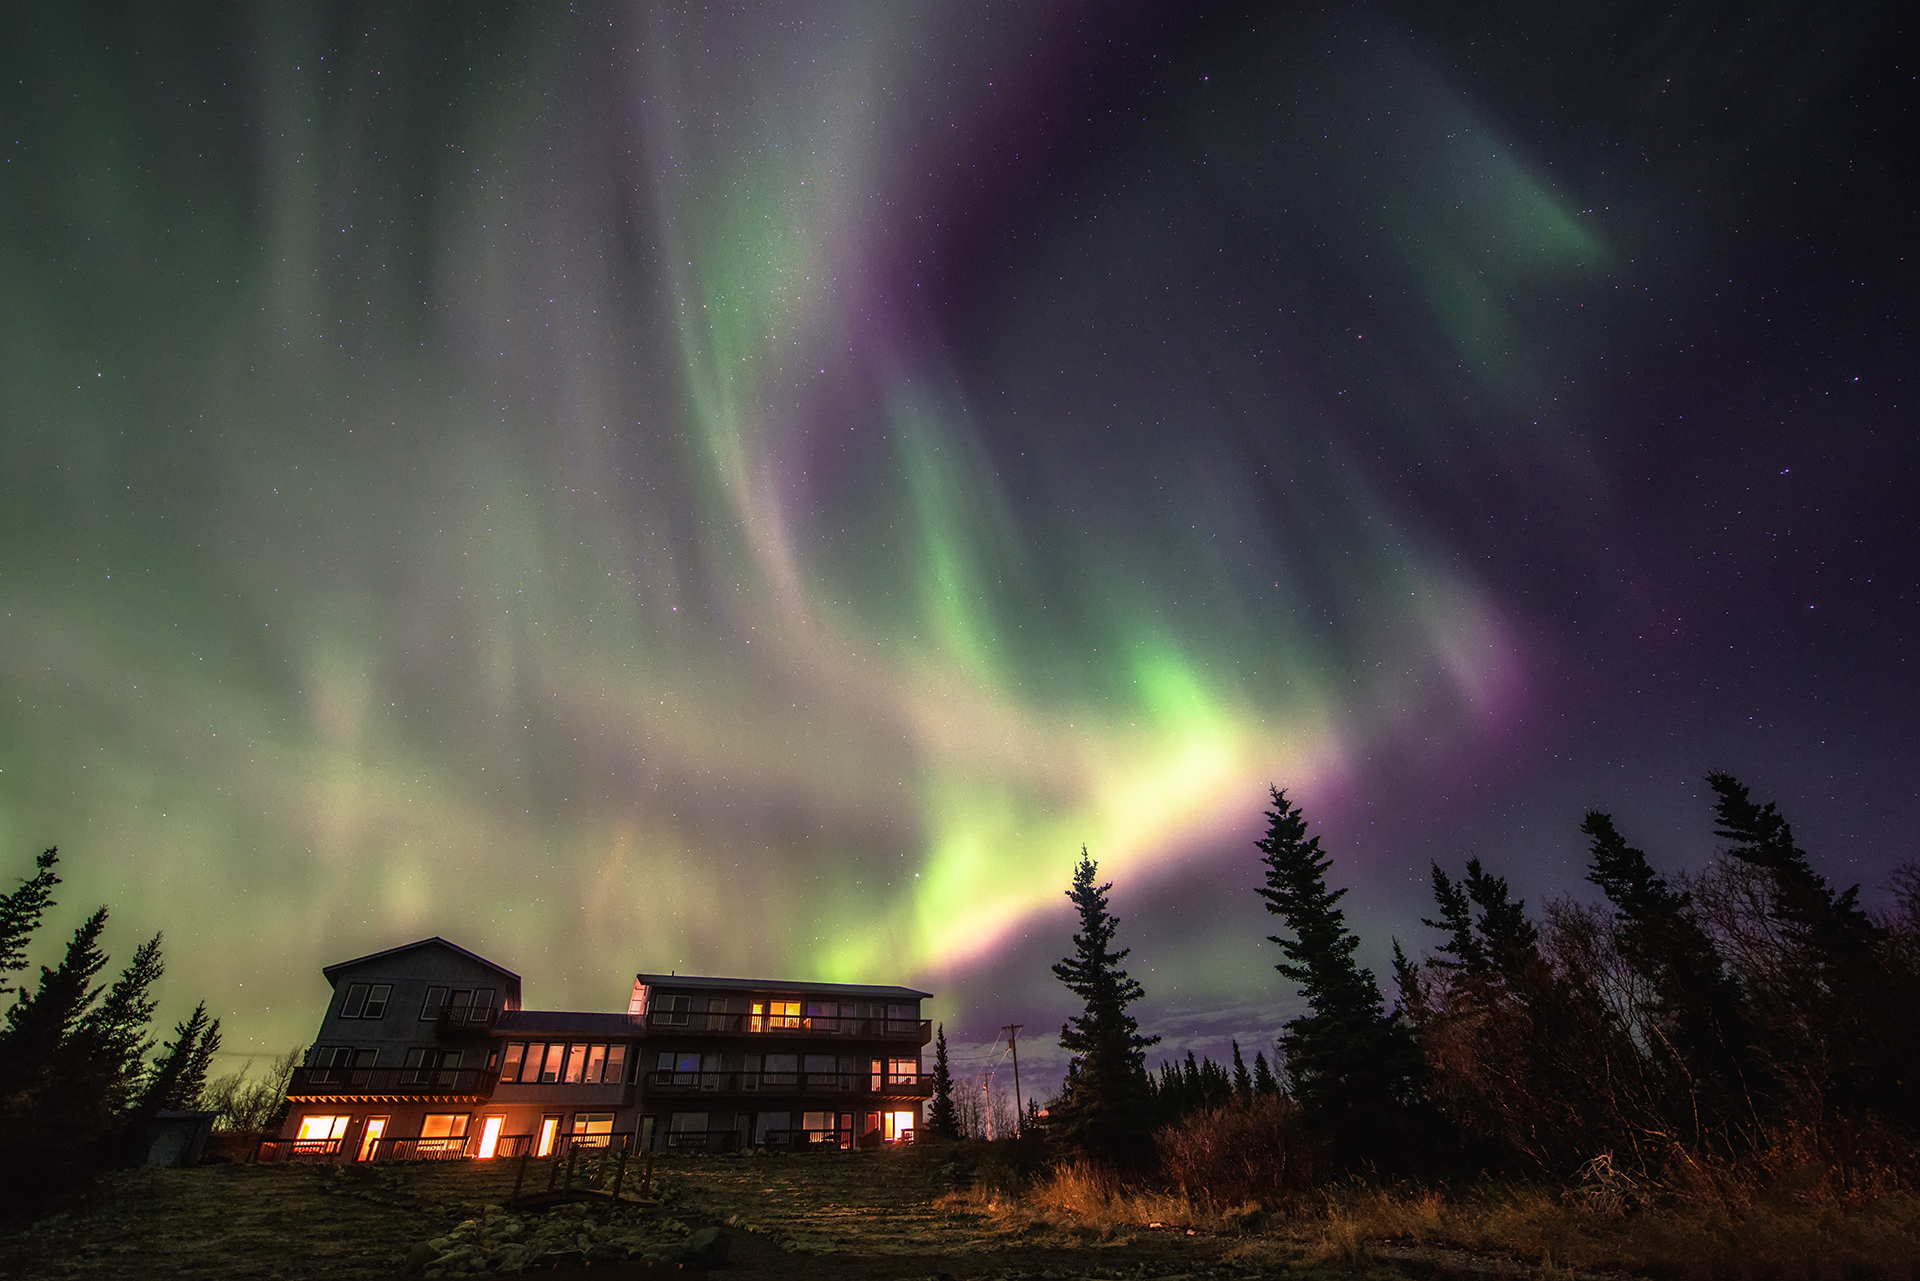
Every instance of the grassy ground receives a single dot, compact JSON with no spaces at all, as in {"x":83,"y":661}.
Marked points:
{"x":921,"y":1214}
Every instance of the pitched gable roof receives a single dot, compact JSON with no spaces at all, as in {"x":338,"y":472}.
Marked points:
{"x":435,"y":941}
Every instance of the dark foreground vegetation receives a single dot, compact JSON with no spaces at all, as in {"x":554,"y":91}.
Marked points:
{"x":1708,"y":1075}
{"x":76,"y":1087}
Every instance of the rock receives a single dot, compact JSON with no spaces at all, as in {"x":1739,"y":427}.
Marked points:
{"x":606,"y":1254}
{"x":418,"y":1258}
{"x":707,"y":1248}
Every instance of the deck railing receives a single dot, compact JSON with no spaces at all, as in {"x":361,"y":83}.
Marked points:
{"x":920,"y":1030}
{"x":397,"y":1082}
{"x":904,"y":1085}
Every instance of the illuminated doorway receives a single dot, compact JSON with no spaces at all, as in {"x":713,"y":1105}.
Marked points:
{"x":549,"y":1126}
{"x":370,"y":1139}
{"x":490,"y":1135}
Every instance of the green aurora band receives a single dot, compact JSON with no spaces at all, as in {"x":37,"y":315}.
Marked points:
{"x":568,"y":532}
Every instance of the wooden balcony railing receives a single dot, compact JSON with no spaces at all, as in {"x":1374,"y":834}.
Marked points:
{"x":733,"y":1140}
{"x":390,"y":1082}
{"x":900,"y":1085}
{"x":918,"y":1030}
{"x":463,"y":1020}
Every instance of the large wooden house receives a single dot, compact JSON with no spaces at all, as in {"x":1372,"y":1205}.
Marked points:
{"x":425,"y":1051}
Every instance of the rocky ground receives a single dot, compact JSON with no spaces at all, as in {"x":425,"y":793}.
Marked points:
{"x":856,"y":1215}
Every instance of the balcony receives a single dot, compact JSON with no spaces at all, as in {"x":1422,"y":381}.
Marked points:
{"x":895,"y":1085}
{"x":920,"y":1031}
{"x":391,"y":1084}
{"x":453,"y":1021}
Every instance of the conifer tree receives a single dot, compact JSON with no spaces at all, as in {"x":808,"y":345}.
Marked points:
{"x":1105,"y":1111}
{"x":1242,"y":1083}
{"x":943,"y":1121}
{"x":1349,"y":1065}
{"x":20,"y":916}
{"x":1264,"y":1082}
{"x":1703,"y":1035}
{"x":181,"y":1070}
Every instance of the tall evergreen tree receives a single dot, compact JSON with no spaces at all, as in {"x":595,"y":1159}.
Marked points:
{"x":1106,"y":1109}
{"x":20,"y":916}
{"x":1349,"y":1065}
{"x":1836,"y":926}
{"x":1702,"y":1035}
{"x":943,"y":1120}
{"x":1264,"y":1082}
{"x":1242,"y":1083}
{"x":181,"y":1070}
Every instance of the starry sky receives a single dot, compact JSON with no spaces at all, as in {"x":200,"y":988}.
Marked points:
{"x":755,"y":489}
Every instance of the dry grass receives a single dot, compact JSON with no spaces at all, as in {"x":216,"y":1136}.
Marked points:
{"x":1792,"y":1234}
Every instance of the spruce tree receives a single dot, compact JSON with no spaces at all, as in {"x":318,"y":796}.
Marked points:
{"x":1106,"y":1109}
{"x":1242,"y":1083}
{"x":1704,"y":1038}
{"x":20,"y":916}
{"x":1264,"y":1082}
{"x":1348,"y":1064}
{"x":181,"y":1070}
{"x":943,"y":1121}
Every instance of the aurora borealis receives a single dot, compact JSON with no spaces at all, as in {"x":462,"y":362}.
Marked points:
{"x":755,"y":490}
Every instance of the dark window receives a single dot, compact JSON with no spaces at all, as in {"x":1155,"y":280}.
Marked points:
{"x":673,"y":1010}
{"x":616,"y":1063}
{"x":365,"y":1000}
{"x":436,"y":1000}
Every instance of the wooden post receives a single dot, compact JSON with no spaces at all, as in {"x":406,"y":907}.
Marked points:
{"x":553,"y":1171}
{"x":573,"y":1159}
{"x":646,"y":1180}
{"x":520,"y":1176}
{"x":620,"y":1171}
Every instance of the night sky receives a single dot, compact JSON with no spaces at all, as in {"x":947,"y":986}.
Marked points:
{"x":754,"y":490}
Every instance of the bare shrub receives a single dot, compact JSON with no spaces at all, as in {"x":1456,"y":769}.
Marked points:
{"x":1228,"y":1156}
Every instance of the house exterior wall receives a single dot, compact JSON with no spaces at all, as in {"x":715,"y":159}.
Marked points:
{"x":695,"y":1064}
{"x":732,"y":1064}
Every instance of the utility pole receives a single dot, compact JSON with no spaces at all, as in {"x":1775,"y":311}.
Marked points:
{"x":986,"y":1100}
{"x":1019,"y":1109}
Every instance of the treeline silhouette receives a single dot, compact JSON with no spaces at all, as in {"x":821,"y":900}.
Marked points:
{"x":76,"y":1086}
{"x":1733,"y":1025}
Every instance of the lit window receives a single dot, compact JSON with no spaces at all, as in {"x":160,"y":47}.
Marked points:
{"x":576,"y":1064}
{"x":596,"y":1063}
{"x":323,"y":1127}
{"x":900,"y":1125}
{"x":616,"y":1063}
{"x":556,"y":1059}
{"x":443,"y":1125}
{"x":510,"y":1065}
{"x":637,"y":1003}
{"x":593,"y":1129}
{"x":903,"y":1071}
{"x":782,"y":1014}
{"x":818,"y":1126}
